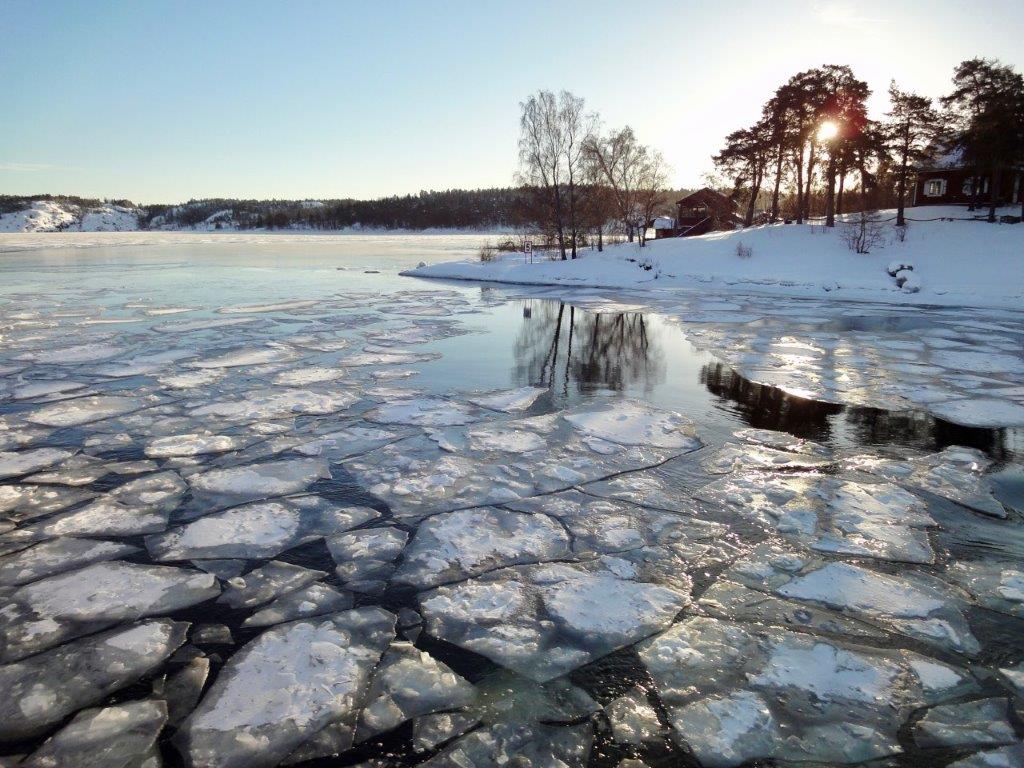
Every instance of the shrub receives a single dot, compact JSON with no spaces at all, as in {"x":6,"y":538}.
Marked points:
{"x":863,"y":232}
{"x":488,"y":252}
{"x":744,"y":251}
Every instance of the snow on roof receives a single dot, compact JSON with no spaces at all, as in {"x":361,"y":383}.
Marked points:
{"x":663,"y":222}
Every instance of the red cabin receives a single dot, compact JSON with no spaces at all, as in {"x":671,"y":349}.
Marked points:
{"x":950,"y":181}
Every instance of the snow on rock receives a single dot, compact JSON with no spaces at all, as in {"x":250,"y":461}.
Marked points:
{"x":47,"y":612}
{"x":285,"y":686}
{"x":259,"y":530}
{"x":259,"y":481}
{"x":122,"y":734}
{"x":544,"y":621}
{"x":456,"y":545}
{"x":42,"y":690}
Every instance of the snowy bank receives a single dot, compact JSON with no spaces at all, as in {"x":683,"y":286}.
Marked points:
{"x":949,"y":262}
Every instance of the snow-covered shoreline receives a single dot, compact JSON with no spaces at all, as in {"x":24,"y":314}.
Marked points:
{"x":954,"y":263}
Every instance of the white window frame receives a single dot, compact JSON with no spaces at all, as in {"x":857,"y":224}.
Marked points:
{"x":935,"y":188}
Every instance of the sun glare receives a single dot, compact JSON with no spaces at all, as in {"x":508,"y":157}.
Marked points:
{"x":827,"y":131}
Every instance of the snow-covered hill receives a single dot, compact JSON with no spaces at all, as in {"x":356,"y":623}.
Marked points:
{"x":949,"y":262}
{"x":54,"y":216}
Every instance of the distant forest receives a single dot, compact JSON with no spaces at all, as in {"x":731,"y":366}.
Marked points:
{"x":454,"y":208}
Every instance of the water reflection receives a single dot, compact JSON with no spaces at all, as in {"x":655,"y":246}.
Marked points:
{"x":574,"y":352}
{"x":570,"y":350}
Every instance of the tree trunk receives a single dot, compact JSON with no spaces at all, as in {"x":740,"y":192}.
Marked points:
{"x":810,"y":180}
{"x":839,"y":194}
{"x":755,"y":190}
{"x":993,"y":198}
{"x":775,"y":191}
{"x":830,"y":191}
{"x":600,"y":238}
{"x":559,"y":223}
{"x":800,"y":187}
{"x":901,"y":189}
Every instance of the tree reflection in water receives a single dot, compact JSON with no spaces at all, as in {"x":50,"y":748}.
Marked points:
{"x":571,"y":350}
{"x":768,"y":407}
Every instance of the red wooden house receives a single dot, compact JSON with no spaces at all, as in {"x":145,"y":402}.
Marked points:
{"x":948,"y":180}
{"x":705,"y":211}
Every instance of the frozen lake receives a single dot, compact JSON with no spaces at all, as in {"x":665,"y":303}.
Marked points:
{"x":265,"y":501}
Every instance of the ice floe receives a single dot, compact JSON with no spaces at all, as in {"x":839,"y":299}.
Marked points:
{"x":42,"y":690}
{"x":284,"y":687}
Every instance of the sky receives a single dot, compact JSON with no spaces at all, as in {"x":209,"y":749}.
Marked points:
{"x":166,"y":101}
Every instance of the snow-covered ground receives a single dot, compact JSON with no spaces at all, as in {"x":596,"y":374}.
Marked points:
{"x":948,"y":262}
{"x":51,"y":216}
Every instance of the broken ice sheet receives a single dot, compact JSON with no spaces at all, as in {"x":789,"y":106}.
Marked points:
{"x":736,"y":456}
{"x":137,"y":507}
{"x":970,"y":724}
{"x":86,"y":409}
{"x":455,"y":545}
{"x":509,"y":400}
{"x":956,"y":473}
{"x":44,"y":613}
{"x":49,"y":558}
{"x":546,"y":620}
{"x":913,"y":603}
{"x":424,"y":412}
{"x":635,"y":423}
{"x":257,"y":530}
{"x":996,"y":584}
{"x":193,"y":444}
{"x":408,"y":683}
{"x":511,"y":743}
{"x":878,"y":520}
{"x":316,"y":599}
{"x":263,"y":584}
{"x":26,"y":502}
{"x":14,"y":464}
{"x":736,"y":693}
{"x":42,"y":690}
{"x":122,"y":734}
{"x":285,"y":686}
{"x":606,"y":526}
{"x":233,"y":485}
{"x":276,"y":404}
{"x":481,"y":464}
{"x":366,"y":558}
{"x":351,"y":441}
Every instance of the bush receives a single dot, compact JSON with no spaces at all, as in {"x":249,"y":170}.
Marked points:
{"x":488,"y":252}
{"x":863,"y":232}
{"x":744,"y":251}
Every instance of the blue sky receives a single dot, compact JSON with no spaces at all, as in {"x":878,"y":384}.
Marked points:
{"x":162,"y":101}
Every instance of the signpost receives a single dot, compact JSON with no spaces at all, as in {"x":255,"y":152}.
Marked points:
{"x":528,"y":250}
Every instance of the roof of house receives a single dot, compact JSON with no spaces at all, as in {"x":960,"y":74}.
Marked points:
{"x":709,"y":197}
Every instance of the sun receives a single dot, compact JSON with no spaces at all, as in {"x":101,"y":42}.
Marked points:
{"x":827,"y":131}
